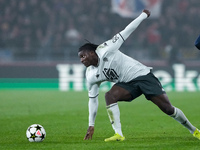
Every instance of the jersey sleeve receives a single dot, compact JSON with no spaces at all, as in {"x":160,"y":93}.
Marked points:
{"x":93,"y":90}
{"x":132,"y":26}
{"x":111,"y":45}
{"x":116,"y":42}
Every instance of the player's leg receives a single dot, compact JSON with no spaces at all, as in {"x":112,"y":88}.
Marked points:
{"x":153,"y":90}
{"x":116,"y":94}
{"x":164,"y":104}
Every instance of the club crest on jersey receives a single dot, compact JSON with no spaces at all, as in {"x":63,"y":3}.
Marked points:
{"x":110,"y":74}
{"x":97,"y":76}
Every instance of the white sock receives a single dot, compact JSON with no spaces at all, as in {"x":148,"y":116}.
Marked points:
{"x":114,"y":116}
{"x":181,"y":118}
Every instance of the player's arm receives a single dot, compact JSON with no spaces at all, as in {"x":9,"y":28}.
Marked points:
{"x":134,"y":24}
{"x":92,"y":107}
{"x":118,"y":39}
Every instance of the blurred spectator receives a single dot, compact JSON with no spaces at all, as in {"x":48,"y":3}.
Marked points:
{"x":72,"y":35}
{"x":154,"y":39}
{"x":42,"y":27}
{"x":173,"y":51}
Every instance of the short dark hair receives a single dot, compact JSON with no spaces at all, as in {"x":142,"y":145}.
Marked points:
{"x":88,"y":46}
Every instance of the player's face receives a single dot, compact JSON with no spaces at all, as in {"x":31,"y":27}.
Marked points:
{"x":88,"y":58}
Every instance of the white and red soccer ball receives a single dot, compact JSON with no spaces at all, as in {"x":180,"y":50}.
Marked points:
{"x":35,"y":133}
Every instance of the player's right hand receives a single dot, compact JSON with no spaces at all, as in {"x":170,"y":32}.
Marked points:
{"x":89,"y":133}
{"x":147,"y":12}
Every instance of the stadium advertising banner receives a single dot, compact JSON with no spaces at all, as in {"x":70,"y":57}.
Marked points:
{"x":175,"y":78}
{"x":71,"y":77}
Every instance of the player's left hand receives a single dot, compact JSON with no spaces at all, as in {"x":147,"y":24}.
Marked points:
{"x":89,"y":133}
{"x":147,"y":12}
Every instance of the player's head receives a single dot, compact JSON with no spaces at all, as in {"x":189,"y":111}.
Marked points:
{"x":88,"y":55}
{"x":88,"y":46}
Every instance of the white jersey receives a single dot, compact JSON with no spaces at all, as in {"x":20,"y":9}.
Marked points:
{"x":114,"y":66}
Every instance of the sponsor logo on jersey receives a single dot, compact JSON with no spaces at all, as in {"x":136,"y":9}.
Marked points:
{"x":115,"y":38}
{"x":110,"y":74}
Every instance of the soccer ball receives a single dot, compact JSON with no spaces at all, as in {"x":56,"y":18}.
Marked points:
{"x":35,"y":133}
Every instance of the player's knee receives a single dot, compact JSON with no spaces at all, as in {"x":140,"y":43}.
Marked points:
{"x":169,"y":110}
{"x":110,"y":98}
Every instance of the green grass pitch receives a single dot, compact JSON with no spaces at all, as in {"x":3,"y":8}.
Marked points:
{"x":64,"y":116}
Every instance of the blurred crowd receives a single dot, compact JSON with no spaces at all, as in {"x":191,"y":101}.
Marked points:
{"x":44,"y":29}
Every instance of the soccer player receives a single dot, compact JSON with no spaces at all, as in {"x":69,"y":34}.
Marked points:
{"x":197,"y":42}
{"x":106,"y":63}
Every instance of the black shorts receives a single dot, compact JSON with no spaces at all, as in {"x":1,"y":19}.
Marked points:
{"x":148,"y":85}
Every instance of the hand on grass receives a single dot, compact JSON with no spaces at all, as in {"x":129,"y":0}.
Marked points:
{"x":89,"y":133}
